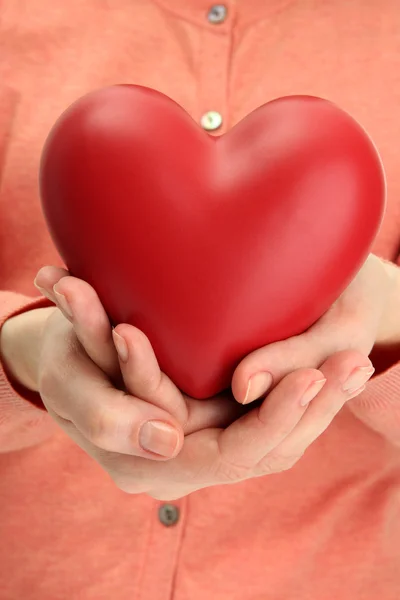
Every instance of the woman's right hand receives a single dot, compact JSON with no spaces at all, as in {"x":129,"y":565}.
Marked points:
{"x":78,"y":376}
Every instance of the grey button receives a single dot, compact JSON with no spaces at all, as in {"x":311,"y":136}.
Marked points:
{"x":168,"y":514}
{"x":217,"y":14}
{"x":211,"y":120}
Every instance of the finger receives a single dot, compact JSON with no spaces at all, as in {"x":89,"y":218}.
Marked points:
{"x":46,"y":279}
{"x":351,"y":323}
{"x":267,"y":366}
{"x":251,"y":437}
{"x":122,"y":469}
{"x":94,"y":332}
{"x":264,"y":368}
{"x":143,"y":378}
{"x":78,"y":391}
{"x":220,"y":411}
{"x":131,"y":474}
{"x":142,"y":375}
{"x":347,"y":372}
{"x":80,"y":304}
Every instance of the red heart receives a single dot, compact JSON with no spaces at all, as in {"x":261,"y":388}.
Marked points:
{"x":212,"y":246}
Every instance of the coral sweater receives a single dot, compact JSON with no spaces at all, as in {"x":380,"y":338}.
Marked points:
{"x":330,"y":527}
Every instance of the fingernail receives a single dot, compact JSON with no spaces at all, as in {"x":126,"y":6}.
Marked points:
{"x":159,"y":437}
{"x":64,"y":304}
{"x":121,"y":346}
{"x":357,"y":392}
{"x":258,"y":385}
{"x":41,"y":290}
{"x":358,"y":378}
{"x":312,"y":391}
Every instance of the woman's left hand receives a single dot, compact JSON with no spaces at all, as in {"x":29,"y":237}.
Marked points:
{"x":358,"y":320}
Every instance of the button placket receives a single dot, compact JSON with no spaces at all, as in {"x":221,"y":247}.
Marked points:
{"x":167,"y":520}
{"x":214,"y":69}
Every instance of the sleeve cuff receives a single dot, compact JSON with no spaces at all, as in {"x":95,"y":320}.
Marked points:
{"x":9,"y":388}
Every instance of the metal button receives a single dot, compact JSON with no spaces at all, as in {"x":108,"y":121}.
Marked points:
{"x":168,"y":514}
{"x":211,"y":120}
{"x":217,"y":14}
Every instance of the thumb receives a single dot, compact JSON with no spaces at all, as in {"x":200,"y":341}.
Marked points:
{"x":264,"y":368}
{"x":80,"y":304}
{"x":144,"y":379}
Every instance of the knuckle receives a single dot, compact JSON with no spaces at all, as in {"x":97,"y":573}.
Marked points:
{"x":152,"y":383}
{"x":281,"y":430}
{"x":100,"y":427}
{"x":232,"y":473}
{"x":277,"y":462}
{"x":330,"y":411}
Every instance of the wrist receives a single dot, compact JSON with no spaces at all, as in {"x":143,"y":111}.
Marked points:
{"x":20,"y":343}
{"x":389,"y":330}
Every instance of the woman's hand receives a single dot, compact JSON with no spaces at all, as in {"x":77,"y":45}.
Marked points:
{"x":77,"y":373}
{"x":226,"y":442}
{"x":361,"y":318}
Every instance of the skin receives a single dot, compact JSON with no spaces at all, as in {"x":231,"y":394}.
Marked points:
{"x":101,"y":400}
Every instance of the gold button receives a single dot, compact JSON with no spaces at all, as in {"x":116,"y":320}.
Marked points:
{"x":211,"y":120}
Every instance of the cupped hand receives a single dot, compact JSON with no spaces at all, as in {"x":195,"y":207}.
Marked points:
{"x":265,"y":438}
{"x":82,"y":387}
{"x":356,"y":322}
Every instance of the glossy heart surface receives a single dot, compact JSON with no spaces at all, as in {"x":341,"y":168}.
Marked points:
{"x":212,"y":246}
